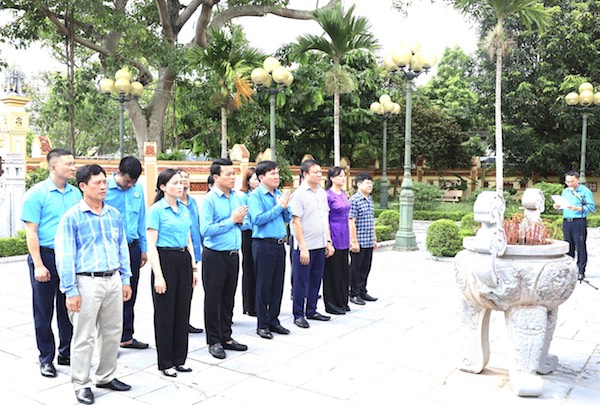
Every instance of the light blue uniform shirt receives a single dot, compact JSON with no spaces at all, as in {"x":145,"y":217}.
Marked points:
{"x":86,"y":242}
{"x":583,"y":195}
{"x":217,"y":228}
{"x":267,"y":217}
{"x":44,"y":205}
{"x":195,"y":229}
{"x":246,"y":225}
{"x":173,"y":227}
{"x":132,"y":206}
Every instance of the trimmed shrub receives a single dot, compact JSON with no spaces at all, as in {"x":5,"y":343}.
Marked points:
{"x":593,"y":221}
{"x":384,"y":232}
{"x":468,"y":226}
{"x":14,"y":246}
{"x":389,"y":218}
{"x":443,"y":238}
{"x":549,"y":189}
{"x":378,"y":212}
{"x":427,"y":196}
{"x":435,"y":215}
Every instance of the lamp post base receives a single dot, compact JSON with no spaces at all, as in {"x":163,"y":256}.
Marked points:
{"x":383,"y":189}
{"x":405,"y":237}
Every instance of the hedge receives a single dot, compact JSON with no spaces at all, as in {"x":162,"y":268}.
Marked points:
{"x":384,"y":232}
{"x":443,"y":238}
{"x":390,"y":218}
{"x":435,"y":215}
{"x":14,"y":246}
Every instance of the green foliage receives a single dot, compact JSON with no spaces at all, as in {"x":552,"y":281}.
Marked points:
{"x":174,"y":155}
{"x":554,"y":228}
{"x":35,"y":177}
{"x":389,"y":218}
{"x":549,"y":189}
{"x":14,"y":246}
{"x":593,"y":221}
{"x":436,"y":215}
{"x":427,"y":196}
{"x":468,"y":225}
{"x":443,"y":238}
{"x":384,"y":232}
{"x":378,"y":212}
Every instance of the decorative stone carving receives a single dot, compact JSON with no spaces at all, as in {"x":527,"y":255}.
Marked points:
{"x":526,"y":282}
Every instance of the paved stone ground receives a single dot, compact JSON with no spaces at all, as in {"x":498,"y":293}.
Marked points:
{"x":402,"y":349}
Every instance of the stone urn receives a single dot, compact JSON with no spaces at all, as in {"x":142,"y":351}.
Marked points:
{"x":526,"y":282}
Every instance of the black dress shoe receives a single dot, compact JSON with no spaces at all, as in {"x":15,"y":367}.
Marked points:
{"x":301,"y":322}
{"x":347,"y":308}
{"x":280,"y":329}
{"x":183,"y":369}
{"x":47,"y":370}
{"x":357,"y":300}
{"x":134,"y":344}
{"x":318,"y":317}
{"x":235,"y":345}
{"x":367,"y":297}
{"x":217,"y":351}
{"x":84,"y":396}
{"x":249,"y":313}
{"x":170,"y":372}
{"x":115,"y":385}
{"x":192,"y":329}
{"x":63,"y":361}
{"x":264,"y":333}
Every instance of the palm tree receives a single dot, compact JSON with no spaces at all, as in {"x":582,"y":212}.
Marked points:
{"x":227,"y":60}
{"x":343,"y":33}
{"x":531,"y":13}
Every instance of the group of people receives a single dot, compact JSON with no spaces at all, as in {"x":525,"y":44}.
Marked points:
{"x":87,"y":245}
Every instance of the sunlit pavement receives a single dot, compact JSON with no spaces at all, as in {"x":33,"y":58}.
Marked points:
{"x":402,"y":349}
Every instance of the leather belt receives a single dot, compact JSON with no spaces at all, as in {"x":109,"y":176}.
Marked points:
{"x":225,"y":252}
{"x":133,"y":243}
{"x":573,"y":219}
{"x":278,"y":241}
{"x":98,"y":273}
{"x":46,"y":249}
{"x":172,"y":249}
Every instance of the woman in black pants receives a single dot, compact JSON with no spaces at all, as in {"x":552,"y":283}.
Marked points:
{"x":249,"y":184}
{"x":171,"y":255}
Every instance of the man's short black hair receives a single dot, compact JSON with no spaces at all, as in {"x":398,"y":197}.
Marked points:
{"x":572,"y":173}
{"x":84,"y":173}
{"x":56,"y":153}
{"x":215,"y":168}
{"x":265,"y":166}
{"x":130,"y":165}
{"x":360,"y":177}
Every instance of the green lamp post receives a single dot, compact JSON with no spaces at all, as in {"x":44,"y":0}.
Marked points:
{"x":408,"y":61}
{"x":583,"y":100}
{"x":263,"y":78}
{"x":384,"y":109}
{"x":121,"y":89}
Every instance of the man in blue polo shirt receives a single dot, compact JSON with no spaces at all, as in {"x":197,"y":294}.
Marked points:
{"x":581,"y":204}
{"x":268,"y":211}
{"x":220,"y":220}
{"x":44,"y":205}
{"x":128,"y":197}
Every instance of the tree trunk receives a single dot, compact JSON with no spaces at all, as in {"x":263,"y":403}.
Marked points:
{"x":224,"y":132}
{"x":498,"y":106}
{"x":336,"y":128}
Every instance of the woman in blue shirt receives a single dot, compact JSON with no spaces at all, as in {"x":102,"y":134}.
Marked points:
{"x":171,"y":255}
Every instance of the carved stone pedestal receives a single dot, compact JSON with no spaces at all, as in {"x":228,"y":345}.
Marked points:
{"x":527,"y":283}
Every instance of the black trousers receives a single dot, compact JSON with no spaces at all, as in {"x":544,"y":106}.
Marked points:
{"x":135,"y":254}
{"x":360,"y":267}
{"x":336,"y":280}
{"x":248,"y":275}
{"x":575,"y":232}
{"x":269,"y":262}
{"x":219,"y":277}
{"x":172,"y":309}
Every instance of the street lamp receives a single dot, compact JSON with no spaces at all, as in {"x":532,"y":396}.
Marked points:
{"x":409,"y":62}
{"x":584,"y":100}
{"x":263,"y":78}
{"x":384,"y":109}
{"x":121,"y":89}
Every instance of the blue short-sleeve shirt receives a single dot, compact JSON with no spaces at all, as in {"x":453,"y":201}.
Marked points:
{"x":44,"y":205}
{"x":173,"y":227}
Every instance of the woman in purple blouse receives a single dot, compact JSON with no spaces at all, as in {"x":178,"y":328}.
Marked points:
{"x":336,"y":275}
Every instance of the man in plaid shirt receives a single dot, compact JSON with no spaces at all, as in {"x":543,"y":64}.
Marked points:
{"x":362,"y":238}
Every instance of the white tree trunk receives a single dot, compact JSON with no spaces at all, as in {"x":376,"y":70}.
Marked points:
{"x":336,"y":128}
{"x":223,"y":132}
{"x":498,"y":107}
